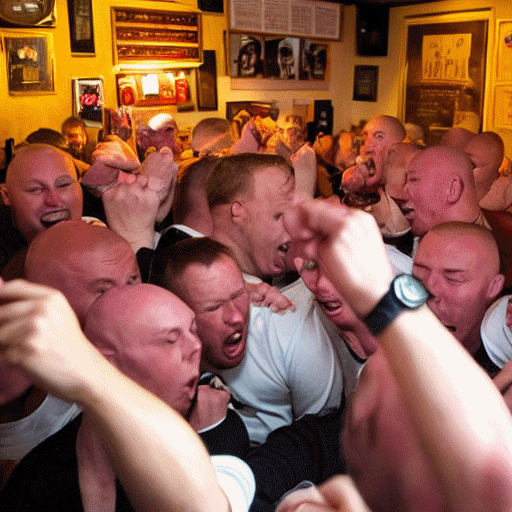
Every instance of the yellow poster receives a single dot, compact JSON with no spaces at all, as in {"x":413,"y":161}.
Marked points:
{"x":445,"y":58}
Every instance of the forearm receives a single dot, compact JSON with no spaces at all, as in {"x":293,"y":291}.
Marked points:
{"x":156,"y":455}
{"x":457,"y":411}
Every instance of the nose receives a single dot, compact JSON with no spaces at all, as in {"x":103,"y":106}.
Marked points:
{"x":52,"y":197}
{"x":233,"y":314}
{"x":433,"y":285}
{"x":191,"y":347}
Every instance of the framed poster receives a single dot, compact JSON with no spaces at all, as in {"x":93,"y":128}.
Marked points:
{"x":30,"y":65}
{"x":365,"y":83}
{"x":445,"y":72}
{"x":81,"y":32}
{"x":88,"y":100}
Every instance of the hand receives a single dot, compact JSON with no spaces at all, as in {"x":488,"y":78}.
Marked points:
{"x":347,"y":245}
{"x":114,"y":152}
{"x":211,"y":407}
{"x":162,"y":171}
{"x":338,"y":494}
{"x":131,"y":209}
{"x":40,"y":332}
{"x":262,"y":294}
{"x":249,"y":141}
{"x":355,"y":178}
{"x":304,"y":165}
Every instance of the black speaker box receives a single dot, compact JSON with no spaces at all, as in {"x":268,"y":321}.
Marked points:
{"x":372,"y":30}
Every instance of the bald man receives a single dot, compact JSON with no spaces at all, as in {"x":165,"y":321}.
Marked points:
{"x":41,"y":188}
{"x":456,"y":138}
{"x":440,"y":188}
{"x":149,"y":335}
{"x":379,"y":134}
{"x":161,"y":131}
{"x":459,"y":265}
{"x":82,"y":261}
{"x":486,"y":151}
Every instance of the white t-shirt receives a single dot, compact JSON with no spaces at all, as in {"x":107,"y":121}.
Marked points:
{"x":17,"y":438}
{"x":290,"y":368}
{"x":236,"y":479}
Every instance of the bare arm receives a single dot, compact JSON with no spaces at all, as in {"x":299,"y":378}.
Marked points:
{"x":457,"y":411}
{"x":157,"y":456}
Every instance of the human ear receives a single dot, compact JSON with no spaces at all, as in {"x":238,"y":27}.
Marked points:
{"x":495,"y":286}
{"x":238,"y":212}
{"x":5,"y":194}
{"x":455,"y":188}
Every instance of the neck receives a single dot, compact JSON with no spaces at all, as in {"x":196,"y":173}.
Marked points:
{"x":22,"y":406}
{"x":360,"y":341}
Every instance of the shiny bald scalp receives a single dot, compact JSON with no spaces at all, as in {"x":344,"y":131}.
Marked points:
{"x":69,"y":240}
{"x":481,"y":238}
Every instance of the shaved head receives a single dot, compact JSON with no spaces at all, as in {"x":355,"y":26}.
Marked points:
{"x":149,"y":334}
{"x":459,"y":265}
{"x":440,"y":188}
{"x":41,"y":188}
{"x":486,"y":151}
{"x":82,"y":261}
{"x":456,"y":138}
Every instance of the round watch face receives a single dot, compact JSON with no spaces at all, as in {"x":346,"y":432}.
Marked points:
{"x":25,"y":12}
{"x":410,"y":291}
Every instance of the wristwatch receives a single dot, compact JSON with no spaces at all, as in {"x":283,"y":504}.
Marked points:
{"x":405,"y":292}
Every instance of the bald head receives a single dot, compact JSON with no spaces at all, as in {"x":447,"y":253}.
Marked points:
{"x":149,"y":334}
{"x":82,"y":261}
{"x":456,"y":138}
{"x":379,"y":134}
{"x":440,"y":188}
{"x":210,"y":135}
{"x":395,"y":168}
{"x":486,"y":151}
{"x":41,"y":187}
{"x":459,"y":264}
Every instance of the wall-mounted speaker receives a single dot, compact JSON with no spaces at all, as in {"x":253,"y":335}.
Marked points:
{"x":372,"y":30}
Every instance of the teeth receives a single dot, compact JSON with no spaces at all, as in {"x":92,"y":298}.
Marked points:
{"x":237,"y":336}
{"x":331,"y":305}
{"x":55,"y":216}
{"x":284,"y":247}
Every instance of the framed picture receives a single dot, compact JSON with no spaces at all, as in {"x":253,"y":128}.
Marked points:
{"x":81,"y":30}
{"x":207,"y":82}
{"x":365,"y":83}
{"x":30,"y":65}
{"x":164,"y":38}
{"x":88,"y":100}
{"x":216,"y":6}
{"x":444,"y":72}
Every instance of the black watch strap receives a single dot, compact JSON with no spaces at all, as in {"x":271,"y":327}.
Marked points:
{"x":405,"y":292}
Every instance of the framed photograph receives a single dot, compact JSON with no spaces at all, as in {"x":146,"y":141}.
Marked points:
{"x":282,"y":58}
{"x":246,"y":55}
{"x":88,"y":100}
{"x":207,"y":82}
{"x":81,"y":30}
{"x":314,"y":59}
{"x":445,"y":71}
{"x":365,"y":83}
{"x":30,"y":65}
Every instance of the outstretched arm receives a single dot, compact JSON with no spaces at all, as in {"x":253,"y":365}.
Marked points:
{"x":457,"y":411}
{"x":157,"y":456}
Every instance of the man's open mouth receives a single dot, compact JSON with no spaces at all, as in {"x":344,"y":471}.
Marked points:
{"x":284,"y":247}
{"x":51,"y":218}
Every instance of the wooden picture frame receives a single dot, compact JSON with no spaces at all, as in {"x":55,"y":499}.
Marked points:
{"x":159,"y":38}
{"x":30,"y":63}
{"x":365,"y":83}
{"x":81,"y":29}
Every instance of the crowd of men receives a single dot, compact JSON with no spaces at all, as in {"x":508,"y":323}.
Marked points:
{"x":209,"y":293}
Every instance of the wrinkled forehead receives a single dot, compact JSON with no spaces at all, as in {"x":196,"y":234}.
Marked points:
{"x":43,"y":164}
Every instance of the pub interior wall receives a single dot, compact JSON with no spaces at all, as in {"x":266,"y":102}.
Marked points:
{"x":20,"y":115}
